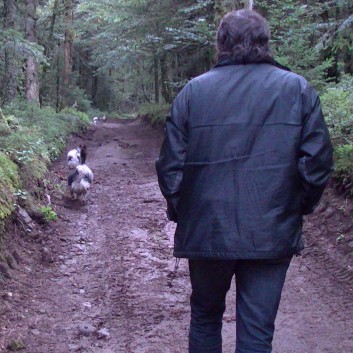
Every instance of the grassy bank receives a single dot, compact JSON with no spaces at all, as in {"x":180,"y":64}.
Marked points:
{"x":30,"y":139}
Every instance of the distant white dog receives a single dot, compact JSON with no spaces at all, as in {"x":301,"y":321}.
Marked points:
{"x":101,"y":118}
{"x":81,"y":179}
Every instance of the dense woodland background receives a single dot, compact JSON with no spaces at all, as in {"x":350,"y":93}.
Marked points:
{"x":64,"y":61}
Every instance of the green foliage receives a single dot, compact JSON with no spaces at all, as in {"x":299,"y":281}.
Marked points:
{"x":9,"y":182}
{"x":42,"y":135}
{"x":130,"y":56}
{"x":343,"y":174}
{"x":5,"y":128}
{"x":148,"y":46}
{"x":23,"y":47}
{"x":155,"y":113}
{"x":74,"y":114}
{"x":312,"y":38}
{"x":338,"y":110}
{"x":37,"y":137}
{"x":146,"y":49}
{"x":76,"y":97}
{"x":12,"y":122}
{"x":48,"y":213}
{"x":126,"y":116}
{"x":344,"y":161}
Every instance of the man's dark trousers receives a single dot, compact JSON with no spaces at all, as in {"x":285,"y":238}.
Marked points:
{"x":259,"y":285}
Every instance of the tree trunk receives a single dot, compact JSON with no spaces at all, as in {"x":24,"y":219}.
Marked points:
{"x":11,"y":70}
{"x":58,"y":84}
{"x":48,"y":52}
{"x":94,"y":87}
{"x":156,"y":79}
{"x":31,"y":83}
{"x":85,"y":72}
{"x":68,"y":42}
{"x":347,"y":60}
{"x":164,"y":78}
{"x":49,"y":46}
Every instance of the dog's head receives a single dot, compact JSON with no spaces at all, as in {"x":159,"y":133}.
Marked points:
{"x":74,"y":158}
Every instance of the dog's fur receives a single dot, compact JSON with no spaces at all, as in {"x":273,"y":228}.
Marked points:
{"x":81,"y":179}
{"x":74,"y":158}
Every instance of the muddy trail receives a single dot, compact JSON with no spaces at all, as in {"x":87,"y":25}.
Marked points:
{"x":98,"y":280}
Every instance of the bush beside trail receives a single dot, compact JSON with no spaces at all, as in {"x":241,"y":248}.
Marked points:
{"x":338,"y":111}
{"x":154,"y":113}
{"x":30,"y":138}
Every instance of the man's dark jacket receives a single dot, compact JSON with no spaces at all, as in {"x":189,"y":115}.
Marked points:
{"x":246,"y":155}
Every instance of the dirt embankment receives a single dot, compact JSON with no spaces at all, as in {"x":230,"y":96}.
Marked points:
{"x":104,"y":286}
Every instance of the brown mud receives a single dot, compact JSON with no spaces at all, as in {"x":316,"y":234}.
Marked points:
{"x":105,"y":287}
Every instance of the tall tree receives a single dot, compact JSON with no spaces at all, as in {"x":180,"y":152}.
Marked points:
{"x":123,"y":53}
{"x":31,"y":83}
{"x":50,"y":43}
{"x":11,"y":71}
{"x":68,"y":41}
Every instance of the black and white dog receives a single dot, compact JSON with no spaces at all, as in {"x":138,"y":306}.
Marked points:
{"x":81,"y":178}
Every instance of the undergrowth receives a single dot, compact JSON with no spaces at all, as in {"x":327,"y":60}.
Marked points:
{"x":338,"y":111}
{"x":155,"y":113}
{"x":48,"y":213}
{"x":9,"y":183}
{"x":30,"y":138}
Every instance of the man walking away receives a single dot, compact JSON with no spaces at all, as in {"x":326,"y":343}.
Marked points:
{"x":246,"y":155}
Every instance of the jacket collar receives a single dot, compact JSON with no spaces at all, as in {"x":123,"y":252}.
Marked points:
{"x":228,"y":62}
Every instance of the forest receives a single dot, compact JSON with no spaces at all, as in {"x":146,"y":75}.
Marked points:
{"x":96,"y":79}
{"x":63,"y":62}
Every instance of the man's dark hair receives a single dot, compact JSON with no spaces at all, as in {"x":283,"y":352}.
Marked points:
{"x":243,"y":36}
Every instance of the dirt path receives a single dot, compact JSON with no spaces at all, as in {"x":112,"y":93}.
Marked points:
{"x":113,"y":260}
